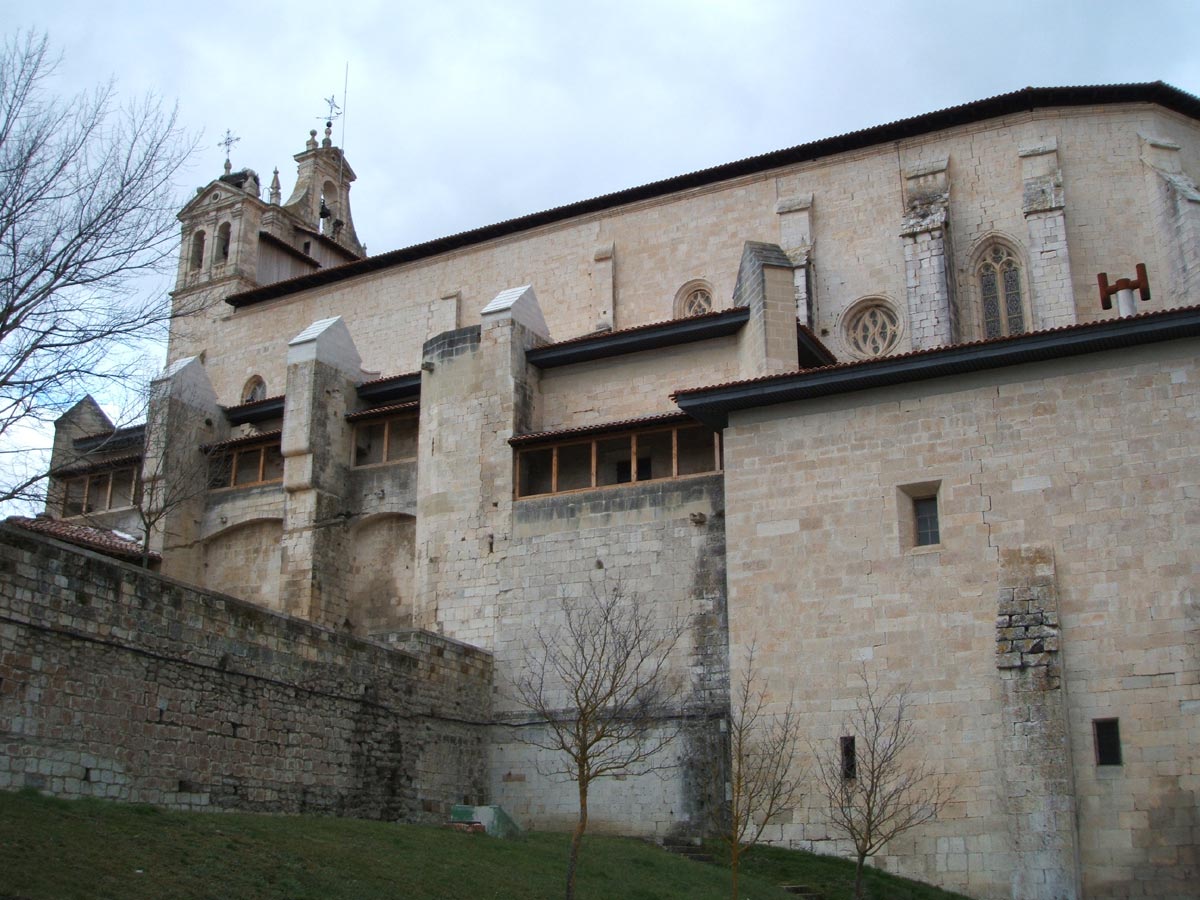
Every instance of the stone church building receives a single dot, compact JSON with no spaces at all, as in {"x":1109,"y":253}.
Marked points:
{"x":859,"y":403}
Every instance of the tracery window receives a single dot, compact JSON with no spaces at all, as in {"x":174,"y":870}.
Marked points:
{"x":872,"y":328}
{"x":255,"y":390}
{"x":693,"y":299}
{"x":1002,"y":306}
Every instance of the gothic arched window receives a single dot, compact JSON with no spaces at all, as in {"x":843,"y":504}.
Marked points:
{"x":1001,"y":300}
{"x":693,"y":299}
{"x":255,"y":390}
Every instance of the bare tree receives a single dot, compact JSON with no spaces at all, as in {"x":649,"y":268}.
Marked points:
{"x":764,"y":777}
{"x":601,"y":689}
{"x":87,"y":207}
{"x":877,"y":783}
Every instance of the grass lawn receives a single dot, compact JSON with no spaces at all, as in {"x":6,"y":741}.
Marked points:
{"x":58,"y":850}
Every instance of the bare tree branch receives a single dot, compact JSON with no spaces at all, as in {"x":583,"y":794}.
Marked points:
{"x":601,"y":688}
{"x":886,"y":788}
{"x":87,"y":207}
{"x":764,"y":775}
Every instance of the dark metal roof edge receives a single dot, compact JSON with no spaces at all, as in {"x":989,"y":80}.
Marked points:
{"x":254,"y":412}
{"x":87,"y":468}
{"x":391,"y":388}
{"x":653,"y":337}
{"x":111,"y":440}
{"x":1027,"y":99}
{"x":713,"y":406}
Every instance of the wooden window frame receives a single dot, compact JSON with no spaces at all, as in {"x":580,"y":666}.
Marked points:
{"x":387,"y":440}
{"x":233,"y":455}
{"x":632,"y":435}
{"x":92,"y":478}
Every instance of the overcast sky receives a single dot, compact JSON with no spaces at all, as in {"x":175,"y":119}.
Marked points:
{"x":461,"y":114}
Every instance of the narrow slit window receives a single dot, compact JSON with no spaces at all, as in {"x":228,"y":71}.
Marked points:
{"x":1108,"y":741}
{"x":849,"y":757}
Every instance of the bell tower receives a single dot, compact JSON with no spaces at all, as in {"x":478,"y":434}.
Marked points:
{"x":219,"y":242}
{"x":321,"y":199}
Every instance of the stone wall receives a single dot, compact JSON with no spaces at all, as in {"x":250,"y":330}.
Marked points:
{"x":663,"y":544}
{"x":1069,"y":484}
{"x":120,"y":684}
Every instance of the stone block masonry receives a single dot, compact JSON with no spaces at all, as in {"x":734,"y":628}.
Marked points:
{"x":118,"y":683}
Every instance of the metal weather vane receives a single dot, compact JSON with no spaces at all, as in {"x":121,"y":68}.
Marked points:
{"x":335,"y":111}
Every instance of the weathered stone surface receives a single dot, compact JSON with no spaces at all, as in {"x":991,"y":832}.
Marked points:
{"x":120,"y":684}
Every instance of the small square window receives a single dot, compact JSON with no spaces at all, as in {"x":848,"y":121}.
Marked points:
{"x":919,"y":516}
{"x":925,"y":514}
{"x":849,"y":758}
{"x":1108,"y":741}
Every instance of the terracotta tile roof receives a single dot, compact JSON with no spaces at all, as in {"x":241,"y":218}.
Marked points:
{"x":930,"y":351}
{"x":386,"y":378}
{"x":249,"y":440}
{"x":620,"y":425}
{"x":377,"y":411}
{"x":253,"y":404}
{"x":90,"y":537}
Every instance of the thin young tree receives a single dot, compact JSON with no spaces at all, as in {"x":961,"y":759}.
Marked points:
{"x":877,"y":783}
{"x":764,"y":776}
{"x":87,"y":208}
{"x":603,"y":694}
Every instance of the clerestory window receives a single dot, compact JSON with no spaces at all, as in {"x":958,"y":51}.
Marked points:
{"x":1002,"y":305}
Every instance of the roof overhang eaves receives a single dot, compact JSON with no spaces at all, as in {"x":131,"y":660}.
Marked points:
{"x":133,"y":435}
{"x":1028,"y":99}
{"x":248,"y":413}
{"x":387,"y":389}
{"x":582,"y":433}
{"x":714,"y":406}
{"x":668,"y":334}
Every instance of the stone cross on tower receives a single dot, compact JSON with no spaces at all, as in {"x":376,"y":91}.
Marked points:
{"x":227,"y":142}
